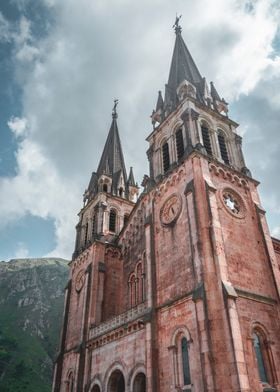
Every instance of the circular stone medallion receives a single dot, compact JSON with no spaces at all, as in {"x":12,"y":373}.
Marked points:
{"x":171,"y":210}
{"x":80,"y":280}
{"x":233,"y":203}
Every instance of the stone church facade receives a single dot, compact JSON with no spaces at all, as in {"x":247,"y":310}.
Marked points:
{"x":177,"y":289}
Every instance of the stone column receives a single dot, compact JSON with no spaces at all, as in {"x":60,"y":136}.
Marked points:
{"x":150,"y":154}
{"x":240,"y":158}
{"x":186,"y":117}
{"x":59,"y":362}
{"x":235,"y":329}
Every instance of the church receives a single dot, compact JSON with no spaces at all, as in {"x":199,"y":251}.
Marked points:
{"x":176,"y":289}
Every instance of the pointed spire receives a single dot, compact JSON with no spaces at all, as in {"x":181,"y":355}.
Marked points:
{"x":182,"y":67}
{"x":214,"y":92}
{"x":112,"y":160}
{"x":159,"y":102}
{"x":131,"y":180}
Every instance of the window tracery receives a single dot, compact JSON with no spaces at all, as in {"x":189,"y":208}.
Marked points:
{"x":136,"y":286}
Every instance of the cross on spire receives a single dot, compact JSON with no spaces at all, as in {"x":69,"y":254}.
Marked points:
{"x":114,"y":112}
{"x":176,"y":25}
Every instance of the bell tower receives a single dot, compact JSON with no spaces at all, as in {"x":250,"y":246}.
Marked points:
{"x":191,"y":117}
{"x":211,"y":227}
{"x":110,"y":195}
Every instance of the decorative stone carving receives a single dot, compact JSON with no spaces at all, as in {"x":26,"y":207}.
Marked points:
{"x":233,"y":203}
{"x":80,"y":280}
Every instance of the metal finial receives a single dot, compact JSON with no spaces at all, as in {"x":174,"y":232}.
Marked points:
{"x":176,"y":25}
{"x":114,"y":112}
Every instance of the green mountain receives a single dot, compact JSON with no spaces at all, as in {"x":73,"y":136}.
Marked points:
{"x":31,"y":308}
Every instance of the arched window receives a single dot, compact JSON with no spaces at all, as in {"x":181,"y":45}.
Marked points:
{"x":180,"y":350}
{"x":132,"y":290}
{"x":121,"y":192}
{"x":206,"y":139}
{"x":112,"y":220}
{"x":105,"y":188}
{"x":179,"y":144}
{"x":140,"y":283}
{"x":185,"y":362}
{"x":139,"y":384}
{"x":259,"y":351}
{"x":86,"y":234}
{"x":96,"y":388}
{"x":165,"y":157}
{"x":116,"y":382}
{"x":70,"y":383}
{"x":223,"y":148}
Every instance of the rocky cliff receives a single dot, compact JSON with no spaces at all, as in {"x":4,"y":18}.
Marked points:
{"x":31,"y":307}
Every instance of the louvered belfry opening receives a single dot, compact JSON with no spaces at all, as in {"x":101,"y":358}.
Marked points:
{"x":206,"y":140}
{"x":165,"y":157}
{"x":112,"y":220}
{"x":223,"y":148}
{"x":179,"y":144}
{"x":86,"y":234}
{"x":94,"y":224}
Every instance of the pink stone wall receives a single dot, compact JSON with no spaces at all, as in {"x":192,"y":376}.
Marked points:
{"x":247,"y":261}
{"x":127,"y":354}
{"x":256,"y":313}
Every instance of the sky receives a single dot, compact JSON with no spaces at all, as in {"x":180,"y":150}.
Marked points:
{"x":63,"y":62}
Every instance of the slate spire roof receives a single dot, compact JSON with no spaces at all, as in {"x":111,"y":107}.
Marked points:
{"x":112,"y":160}
{"x":111,"y":163}
{"x":131,"y":180}
{"x":184,"y":81}
{"x":182,"y":68}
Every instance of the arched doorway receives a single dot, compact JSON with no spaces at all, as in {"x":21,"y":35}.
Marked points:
{"x":95,"y":389}
{"x":139,"y":384}
{"x":116,"y":382}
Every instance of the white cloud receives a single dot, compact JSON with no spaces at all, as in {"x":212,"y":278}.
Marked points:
{"x":276,"y":232}
{"x":106,"y":49}
{"x":17,"y":125}
{"x":38,"y":190}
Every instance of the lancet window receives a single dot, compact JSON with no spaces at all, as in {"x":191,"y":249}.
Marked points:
{"x":86,"y":234}
{"x":165,"y":157}
{"x":185,"y":362}
{"x":136,"y":286}
{"x":139,"y":384}
{"x":264,"y":358}
{"x":70,"y":383}
{"x":206,"y":139}
{"x":179,"y":143}
{"x":112,"y":220}
{"x":94,"y":224}
{"x":181,"y":358}
{"x":223,"y":148}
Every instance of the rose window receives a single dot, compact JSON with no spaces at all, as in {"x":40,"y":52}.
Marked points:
{"x":233,"y":203}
